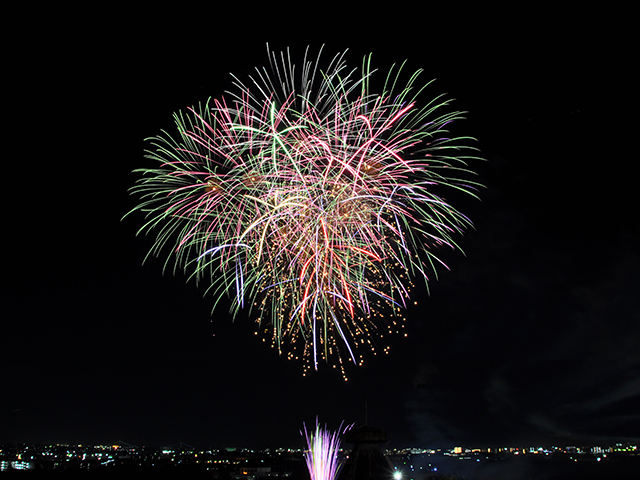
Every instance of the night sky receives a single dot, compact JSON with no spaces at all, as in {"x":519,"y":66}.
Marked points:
{"x":532,"y":336}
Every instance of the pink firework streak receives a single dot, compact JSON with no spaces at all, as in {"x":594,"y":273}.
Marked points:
{"x":312,"y":200}
{"x":322,"y":454}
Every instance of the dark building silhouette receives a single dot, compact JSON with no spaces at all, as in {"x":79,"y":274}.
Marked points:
{"x":366,"y":462}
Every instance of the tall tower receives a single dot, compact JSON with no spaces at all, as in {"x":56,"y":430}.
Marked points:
{"x":366,"y":462}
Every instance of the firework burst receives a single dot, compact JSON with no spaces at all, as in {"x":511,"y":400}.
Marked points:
{"x":322,"y":453}
{"x":311,"y":199}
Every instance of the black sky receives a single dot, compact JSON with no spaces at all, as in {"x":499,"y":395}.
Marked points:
{"x":532,"y":336}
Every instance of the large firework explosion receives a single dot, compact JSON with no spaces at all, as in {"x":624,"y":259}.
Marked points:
{"x":322,"y":451}
{"x":311,"y":199}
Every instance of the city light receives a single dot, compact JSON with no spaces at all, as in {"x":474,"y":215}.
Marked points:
{"x":323,"y":453}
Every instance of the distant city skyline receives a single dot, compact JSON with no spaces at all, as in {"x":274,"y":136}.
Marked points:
{"x":249,"y":464}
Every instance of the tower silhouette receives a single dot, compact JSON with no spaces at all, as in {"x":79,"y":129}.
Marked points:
{"x":366,"y":462}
